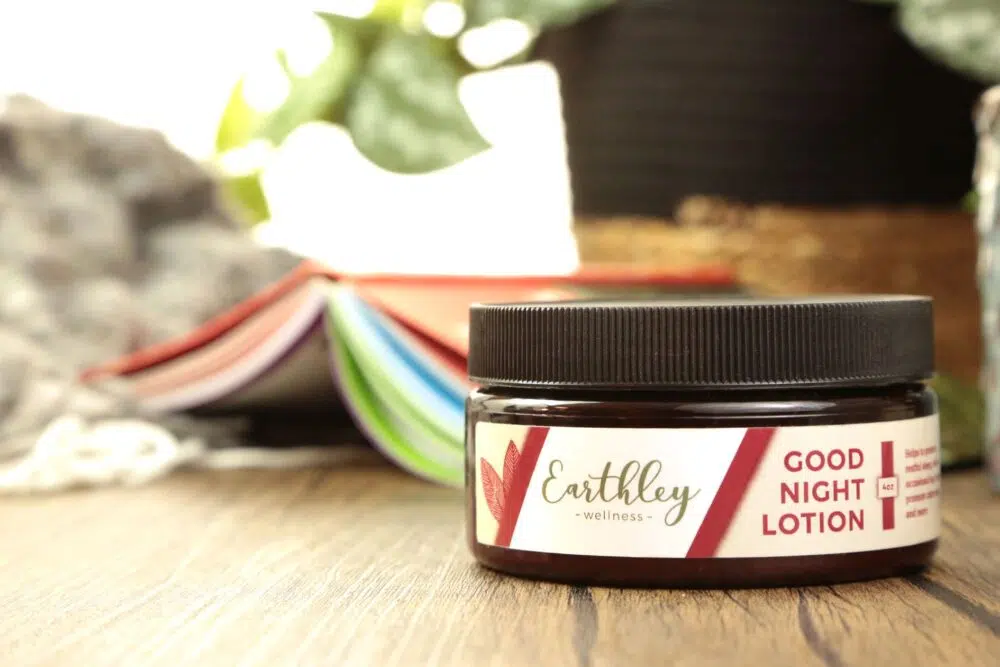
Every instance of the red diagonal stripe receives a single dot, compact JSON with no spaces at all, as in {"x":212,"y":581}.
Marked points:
{"x":888,"y":504}
{"x":519,"y":486}
{"x":734,"y":485}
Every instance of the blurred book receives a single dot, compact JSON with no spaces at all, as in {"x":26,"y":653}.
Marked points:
{"x":388,"y":351}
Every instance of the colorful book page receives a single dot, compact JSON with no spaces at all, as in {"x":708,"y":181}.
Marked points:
{"x":443,"y":372}
{"x":394,"y":373}
{"x":371,"y":416}
{"x":233,"y":360}
{"x":300,"y":382}
{"x":441,"y":312}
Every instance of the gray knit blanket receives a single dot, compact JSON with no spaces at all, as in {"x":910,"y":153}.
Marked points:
{"x":108,"y":239}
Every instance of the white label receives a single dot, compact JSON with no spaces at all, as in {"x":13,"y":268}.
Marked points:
{"x":708,"y":493}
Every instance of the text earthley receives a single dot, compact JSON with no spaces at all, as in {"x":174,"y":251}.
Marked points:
{"x":635,"y":482}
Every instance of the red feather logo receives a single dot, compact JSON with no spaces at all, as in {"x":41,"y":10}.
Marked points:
{"x":509,"y":465}
{"x":492,"y":489}
{"x":497,"y":488}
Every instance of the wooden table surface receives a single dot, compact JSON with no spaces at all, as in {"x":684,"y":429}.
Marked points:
{"x":361,"y":565}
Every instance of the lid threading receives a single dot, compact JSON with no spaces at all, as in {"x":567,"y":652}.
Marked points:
{"x":735,"y":343}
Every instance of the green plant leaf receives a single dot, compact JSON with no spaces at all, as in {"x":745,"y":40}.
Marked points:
{"x":405,"y":114}
{"x":247,"y":193}
{"x":366,"y":32}
{"x":312,"y":97}
{"x":238,"y":123}
{"x":963,"y":34}
{"x":539,"y":14}
{"x":382,"y":11}
{"x":315,"y":96}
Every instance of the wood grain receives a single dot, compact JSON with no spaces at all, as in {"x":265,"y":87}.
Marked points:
{"x":362,"y":565}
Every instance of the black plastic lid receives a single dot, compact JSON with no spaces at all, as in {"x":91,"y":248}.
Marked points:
{"x":731,"y":343}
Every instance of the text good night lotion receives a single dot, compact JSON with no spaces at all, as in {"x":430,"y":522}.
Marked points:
{"x":703,"y":443}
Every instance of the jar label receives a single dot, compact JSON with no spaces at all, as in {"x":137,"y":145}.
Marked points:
{"x":708,"y":493}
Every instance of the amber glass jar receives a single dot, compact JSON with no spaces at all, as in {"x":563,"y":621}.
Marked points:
{"x":703,"y":444}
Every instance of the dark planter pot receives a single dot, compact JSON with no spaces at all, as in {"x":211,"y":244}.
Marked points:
{"x":807,"y":102}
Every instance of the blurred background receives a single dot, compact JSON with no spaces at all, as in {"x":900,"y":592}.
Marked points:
{"x":821,"y":146}
{"x":173,"y":67}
